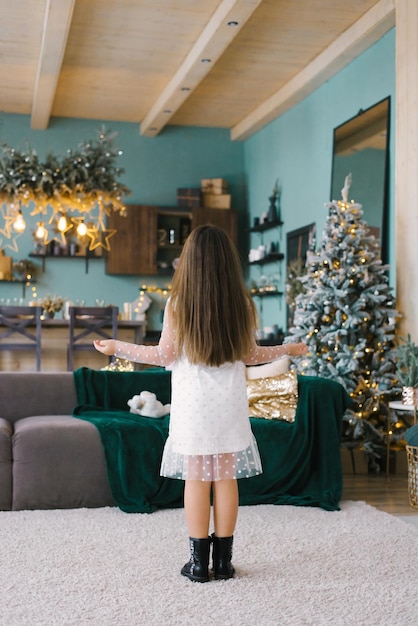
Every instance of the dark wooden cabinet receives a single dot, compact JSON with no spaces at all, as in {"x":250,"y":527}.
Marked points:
{"x":173,"y":228}
{"x":149,"y":238}
{"x":133,"y":247}
{"x":224,"y":218}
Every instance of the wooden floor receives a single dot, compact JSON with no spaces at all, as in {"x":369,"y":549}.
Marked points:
{"x":389,"y":494}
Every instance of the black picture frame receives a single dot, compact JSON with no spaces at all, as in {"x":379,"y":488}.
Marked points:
{"x":298,"y":243}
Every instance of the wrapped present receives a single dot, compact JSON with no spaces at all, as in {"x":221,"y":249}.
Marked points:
{"x":189,"y":197}
{"x":217,"y":201}
{"x":214,"y":185}
{"x":5,"y":266}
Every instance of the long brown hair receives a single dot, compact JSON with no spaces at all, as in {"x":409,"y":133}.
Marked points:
{"x":214,"y":315}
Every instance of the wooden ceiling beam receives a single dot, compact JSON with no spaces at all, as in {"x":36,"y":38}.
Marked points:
{"x":213,"y":41}
{"x":353,"y":42}
{"x":57,"y":22}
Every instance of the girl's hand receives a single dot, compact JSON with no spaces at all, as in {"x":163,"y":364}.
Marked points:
{"x":105,"y":346}
{"x":296,"y":349}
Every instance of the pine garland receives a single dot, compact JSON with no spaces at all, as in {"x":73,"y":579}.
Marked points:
{"x":82,"y":179}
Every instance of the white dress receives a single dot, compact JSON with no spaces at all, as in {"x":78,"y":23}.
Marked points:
{"x":210,"y":436}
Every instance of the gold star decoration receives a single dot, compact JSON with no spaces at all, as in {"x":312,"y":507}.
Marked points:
{"x":9,"y":217}
{"x":12,"y":245}
{"x":7,"y":230}
{"x":100,"y":220}
{"x":99,"y":239}
{"x":50,"y":237}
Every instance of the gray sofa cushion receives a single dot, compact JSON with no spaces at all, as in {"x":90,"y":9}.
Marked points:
{"x":36,"y":393}
{"x":58,"y":462}
{"x":5,"y":465}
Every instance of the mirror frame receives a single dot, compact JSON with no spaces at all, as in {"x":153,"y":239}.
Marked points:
{"x":358,"y":124}
{"x":299,"y":243}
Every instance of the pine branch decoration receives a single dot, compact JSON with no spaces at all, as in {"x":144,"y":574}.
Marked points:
{"x":83,"y":178}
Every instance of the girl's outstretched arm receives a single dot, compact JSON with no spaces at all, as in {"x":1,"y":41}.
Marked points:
{"x":265,"y":354}
{"x":162,"y":355}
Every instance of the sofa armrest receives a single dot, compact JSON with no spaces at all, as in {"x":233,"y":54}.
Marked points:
{"x":6,"y":432}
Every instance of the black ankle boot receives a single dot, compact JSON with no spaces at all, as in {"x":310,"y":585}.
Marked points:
{"x":222,"y":555}
{"x":197,"y":569}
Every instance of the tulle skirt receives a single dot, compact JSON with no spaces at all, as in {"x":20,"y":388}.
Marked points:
{"x":211,"y":467}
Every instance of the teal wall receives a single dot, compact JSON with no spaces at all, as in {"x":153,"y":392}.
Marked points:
{"x":154,"y":168}
{"x":297,"y":149}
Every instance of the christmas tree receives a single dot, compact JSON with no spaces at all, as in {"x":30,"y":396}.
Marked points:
{"x":346,"y":316}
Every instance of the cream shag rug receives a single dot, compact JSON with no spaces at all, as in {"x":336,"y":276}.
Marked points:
{"x":295,"y":566}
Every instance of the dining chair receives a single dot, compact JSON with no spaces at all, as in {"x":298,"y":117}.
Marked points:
{"x":20,"y":329}
{"x":89,"y":323}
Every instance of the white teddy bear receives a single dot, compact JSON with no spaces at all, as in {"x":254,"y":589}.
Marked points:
{"x":146,"y":404}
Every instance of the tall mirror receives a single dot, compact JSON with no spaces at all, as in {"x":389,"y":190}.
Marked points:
{"x":361,"y":146}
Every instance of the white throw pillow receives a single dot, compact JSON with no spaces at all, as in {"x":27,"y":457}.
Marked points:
{"x":275,"y":368}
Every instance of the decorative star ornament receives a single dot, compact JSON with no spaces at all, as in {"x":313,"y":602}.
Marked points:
{"x":7,"y":230}
{"x":99,"y":239}
{"x":50,"y":237}
{"x":9,"y":217}
{"x":100,"y":220}
{"x":13,"y":245}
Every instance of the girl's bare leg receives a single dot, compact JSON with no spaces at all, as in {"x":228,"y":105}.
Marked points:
{"x":225,"y":507}
{"x":197,"y":507}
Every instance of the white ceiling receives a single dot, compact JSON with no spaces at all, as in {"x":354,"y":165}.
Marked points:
{"x":129,"y":60}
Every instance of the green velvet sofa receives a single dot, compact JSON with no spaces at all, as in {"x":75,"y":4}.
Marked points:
{"x":67,"y":440}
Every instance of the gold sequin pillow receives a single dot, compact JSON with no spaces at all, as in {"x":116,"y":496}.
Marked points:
{"x":273,"y":397}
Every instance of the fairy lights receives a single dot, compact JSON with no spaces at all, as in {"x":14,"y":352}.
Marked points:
{"x":83,"y":183}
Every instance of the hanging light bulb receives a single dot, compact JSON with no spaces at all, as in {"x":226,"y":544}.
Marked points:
{"x":82,"y":229}
{"x":19,"y":224}
{"x":41,"y":232}
{"x":62,"y":223}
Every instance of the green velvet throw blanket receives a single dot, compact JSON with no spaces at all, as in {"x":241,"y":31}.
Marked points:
{"x":301,"y":461}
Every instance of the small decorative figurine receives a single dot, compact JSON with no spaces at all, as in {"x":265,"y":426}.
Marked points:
{"x":274,"y":210}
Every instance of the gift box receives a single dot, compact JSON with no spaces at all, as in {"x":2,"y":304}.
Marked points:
{"x":189,"y":197}
{"x":5,"y":266}
{"x":217,"y":201}
{"x":214,"y":185}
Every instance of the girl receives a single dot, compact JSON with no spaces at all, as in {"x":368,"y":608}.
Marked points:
{"x":208,"y":337}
